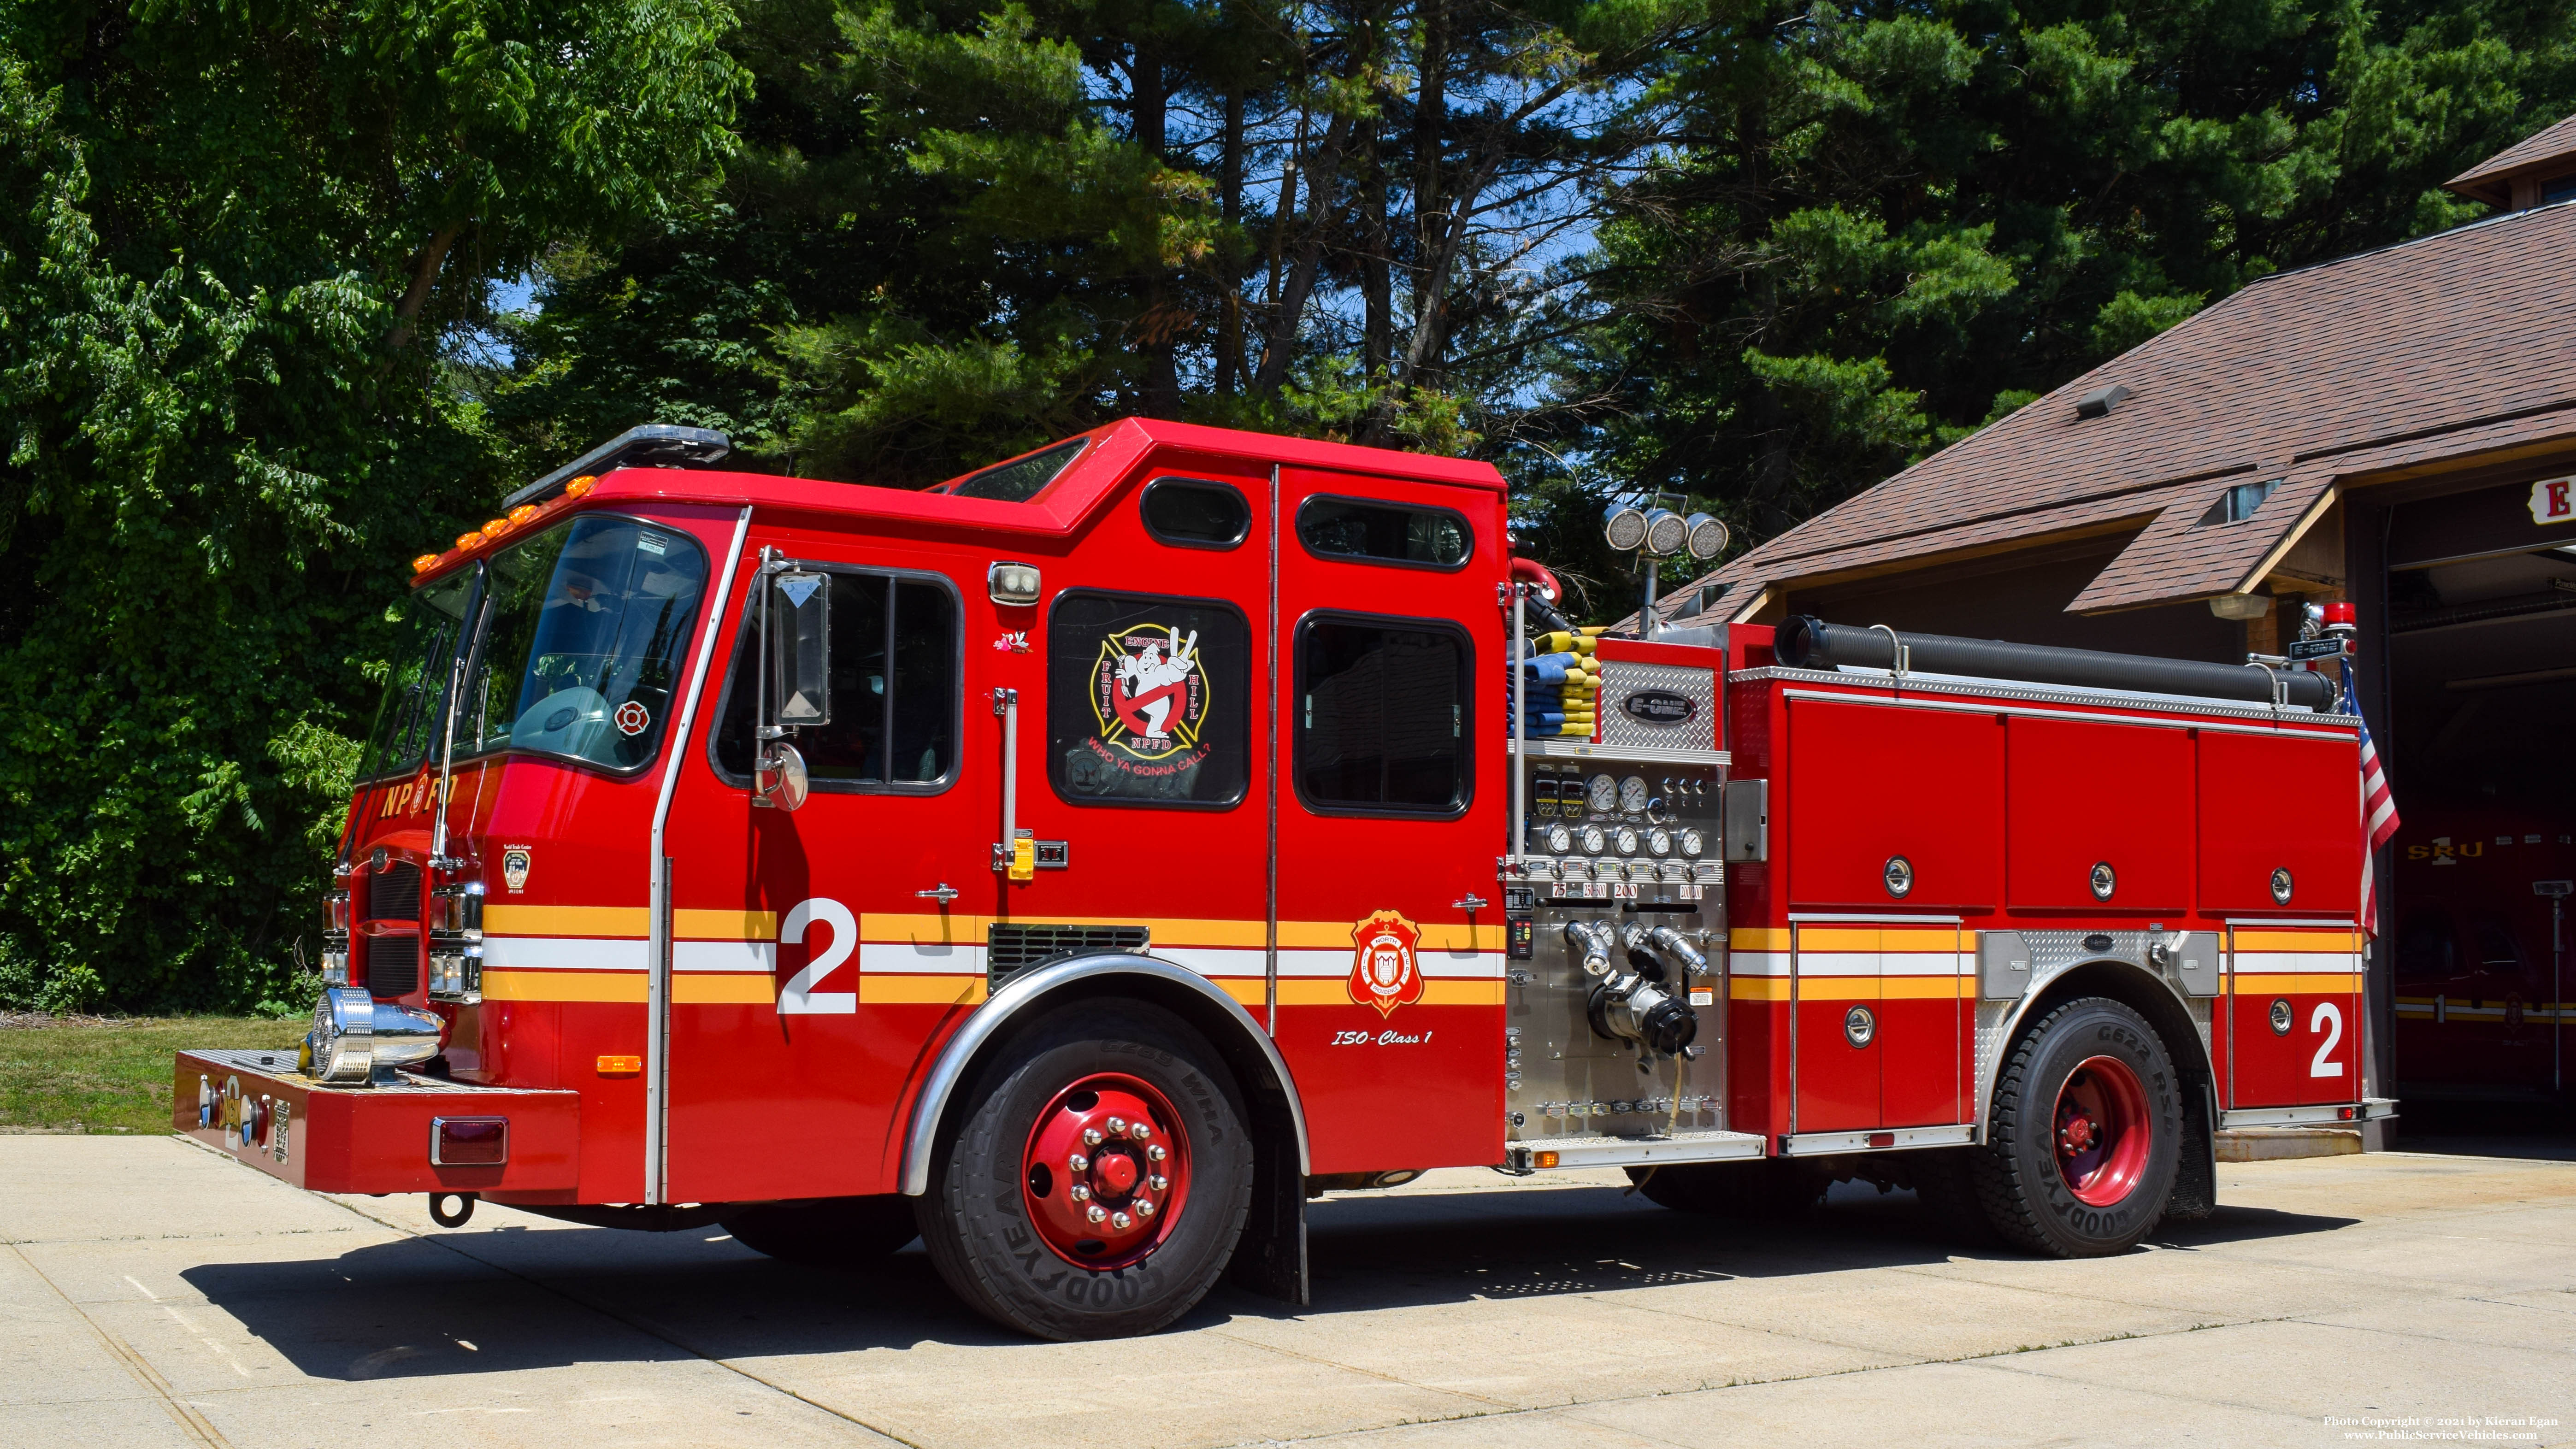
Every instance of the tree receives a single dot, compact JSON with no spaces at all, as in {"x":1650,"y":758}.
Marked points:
{"x":238,"y":243}
{"x":1881,"y":226}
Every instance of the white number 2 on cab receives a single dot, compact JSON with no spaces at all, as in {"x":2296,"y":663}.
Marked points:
{"x":2330,"y":1021}
{"x":798,"y":997}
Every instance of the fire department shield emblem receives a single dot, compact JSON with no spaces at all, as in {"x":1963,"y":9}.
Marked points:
{"x":514,"y":867}
{"x":1384,"y":973}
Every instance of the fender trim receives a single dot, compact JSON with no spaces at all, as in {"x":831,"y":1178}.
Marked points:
{"x":2010,"y":1028}
{"x":1025,"y":991}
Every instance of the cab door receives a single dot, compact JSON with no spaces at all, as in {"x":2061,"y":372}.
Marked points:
{"x":1390,"y":817}
{"x":811,"y":951}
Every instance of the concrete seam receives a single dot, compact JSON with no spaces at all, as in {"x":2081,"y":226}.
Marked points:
{"x":191,"y":1423}
{"x":642,"y":1326}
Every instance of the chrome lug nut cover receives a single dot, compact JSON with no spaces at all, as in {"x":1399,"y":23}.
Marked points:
{"x":1078,"y":1162}
{"x":1121,"y":1221}
{"x":1144,"y":1207}
{"x":1117,"y":1126}
{"x":1095,"y":1213}
{"x":1080,"y":1193}
{"x":1091,"y":1137}
{"x":1155,"y":1152}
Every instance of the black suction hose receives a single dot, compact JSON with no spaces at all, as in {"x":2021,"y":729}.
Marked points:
{"x":1803,"y":642}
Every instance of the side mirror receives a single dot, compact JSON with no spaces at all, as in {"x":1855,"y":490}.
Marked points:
{"x":796,"y":684}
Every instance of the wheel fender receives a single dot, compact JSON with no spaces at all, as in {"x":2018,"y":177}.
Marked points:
{"x":2127,"y":982}
{"x":1029,"y":992}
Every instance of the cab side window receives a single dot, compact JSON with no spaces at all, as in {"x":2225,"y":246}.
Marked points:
{"x":1149,"y":700}
{"x":895,"y":690}
{"x":1382,"y":716}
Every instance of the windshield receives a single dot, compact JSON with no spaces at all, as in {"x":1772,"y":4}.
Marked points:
{"x":583,"y":651}
{"x":416,"y":675}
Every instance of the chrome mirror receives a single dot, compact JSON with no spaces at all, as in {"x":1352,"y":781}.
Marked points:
{"x":779,"y":778}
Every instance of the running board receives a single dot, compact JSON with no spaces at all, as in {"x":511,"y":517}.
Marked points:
{"x":2371,"y":1109}
{"x":1543,"y":1153}
{"x":1817,"y":1144}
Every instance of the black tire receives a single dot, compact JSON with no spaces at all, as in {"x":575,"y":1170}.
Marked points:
{"x":975,"y":1219}
{"x":1770,"y":1190}
{"x":846,"y":1233}
{"x":2025,"y":1195}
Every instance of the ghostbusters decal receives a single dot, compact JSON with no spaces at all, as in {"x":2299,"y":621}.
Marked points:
{"x":1384,"y":973}
{"x":1150,"y":698}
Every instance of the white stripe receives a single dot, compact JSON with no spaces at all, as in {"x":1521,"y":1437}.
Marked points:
{"x":562,"y":953}
{"x":1312,"y":964}
{"x":2291,"y":963}
{"x":1757,"y":963}
{"x":1215,"y":961}
{"x":935,"y":958}
{"x":745,"y":956}
{"x":1885,"y":963}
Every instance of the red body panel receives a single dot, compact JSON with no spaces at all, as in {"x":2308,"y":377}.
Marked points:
{"x":2083,"y":794}
{"x":1871,"y":784}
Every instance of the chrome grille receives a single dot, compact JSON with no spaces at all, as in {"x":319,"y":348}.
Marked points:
{"x":392,"y":964}
{"x":393,"y":893}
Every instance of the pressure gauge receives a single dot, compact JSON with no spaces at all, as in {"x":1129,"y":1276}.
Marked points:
{"x":1632,"y":794}
{"x":1593,"y":841}
{"x":1659,"y":842}
{"x":1692,"y":843}
{"x":1626,"y":840}
{"x":1559,"y":839}
{"x":1605,"y":795}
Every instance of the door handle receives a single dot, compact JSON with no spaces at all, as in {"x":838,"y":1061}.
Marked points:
{"x":1471,"y":904}
{"x":942,"y":893}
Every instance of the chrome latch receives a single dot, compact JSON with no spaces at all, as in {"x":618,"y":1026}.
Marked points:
{"x":1472,"y":903}
{"x":942,"y":893}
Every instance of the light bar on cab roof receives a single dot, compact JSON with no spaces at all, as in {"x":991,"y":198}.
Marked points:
{"x":654,"y":445}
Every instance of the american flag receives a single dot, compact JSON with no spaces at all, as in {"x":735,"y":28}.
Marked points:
{"x":2378,"y":809}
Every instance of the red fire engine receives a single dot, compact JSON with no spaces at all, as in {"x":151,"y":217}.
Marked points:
{"x":1083,"y":862}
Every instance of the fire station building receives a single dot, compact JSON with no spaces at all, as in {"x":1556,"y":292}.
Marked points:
{"x":2395,"y":428}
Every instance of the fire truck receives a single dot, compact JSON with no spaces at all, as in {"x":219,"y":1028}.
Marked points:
{"x":1083,"y":863}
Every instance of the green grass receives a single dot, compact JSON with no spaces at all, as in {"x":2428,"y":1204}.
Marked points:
{"x":113,"y":1076}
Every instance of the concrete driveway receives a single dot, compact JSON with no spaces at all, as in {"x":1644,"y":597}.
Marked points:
{"x":154,"y":1293}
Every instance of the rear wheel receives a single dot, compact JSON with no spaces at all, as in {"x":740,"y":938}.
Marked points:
{"x":1099,"y":1181}
{"x":2085,"y":1133}
{"x":830,"y":1232}
{"x":1767,"y":1190}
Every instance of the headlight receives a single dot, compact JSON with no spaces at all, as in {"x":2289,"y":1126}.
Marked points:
{"x":458,"y":910}
{"x":456,"y":975}
{"x":355,"y":1036}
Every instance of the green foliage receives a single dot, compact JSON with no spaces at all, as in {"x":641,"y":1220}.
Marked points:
{"x":1894,"y":224}
{"x":236,"y":244}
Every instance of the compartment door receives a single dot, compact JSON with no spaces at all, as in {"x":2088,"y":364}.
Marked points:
{"x":1924,"y":1002}
{"x":1840,"y":1027}
{"x":2293,"y":1015}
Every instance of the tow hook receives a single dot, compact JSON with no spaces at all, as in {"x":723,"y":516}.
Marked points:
{"x":452,"y":1218}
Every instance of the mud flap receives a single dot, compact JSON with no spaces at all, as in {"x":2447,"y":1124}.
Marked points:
{"x":1271,"y":1257}
{"x":2195,"y":1189}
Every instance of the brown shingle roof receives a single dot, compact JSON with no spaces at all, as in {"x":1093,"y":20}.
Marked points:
{"x":2491,"y":180}
{"x":2305,"y":376}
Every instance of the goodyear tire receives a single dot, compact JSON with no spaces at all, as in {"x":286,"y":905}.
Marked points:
{"x":834,"y":1232}
{"x":2084,"y":1135}
{"x":1099,"y":1177}
{"x":1770,"y":1190}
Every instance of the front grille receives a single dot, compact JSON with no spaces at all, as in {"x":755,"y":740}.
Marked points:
{"x":393,"y":964}
{"x":1015,"y":948}
{"x":393,"y":894}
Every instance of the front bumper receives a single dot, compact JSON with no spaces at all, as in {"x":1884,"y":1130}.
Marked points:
{"x":370,"y":1139}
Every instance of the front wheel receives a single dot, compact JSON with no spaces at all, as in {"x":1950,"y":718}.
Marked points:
{"x":2085,"y":1135}
{"x":1099,"y":1181}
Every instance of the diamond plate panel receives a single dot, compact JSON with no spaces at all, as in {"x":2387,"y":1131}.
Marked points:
{"x":1620,"y":679}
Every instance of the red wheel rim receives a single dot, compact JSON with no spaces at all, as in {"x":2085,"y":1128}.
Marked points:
{"x":2100,"y":1131}
{"x":1106,"y":1171}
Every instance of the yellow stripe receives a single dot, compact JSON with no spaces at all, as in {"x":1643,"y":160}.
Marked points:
{"x":725,"y":925}
{"x":729,"y":988}
{"x":2321,"y":983}
{"x":1879,"y":938}
{"x":1336,"y":935}
{"x":953,"y":929}
{"x":1758,"y":938}
{"x":508,"y":920}
{"x":1925,"y":988}
{"x":1254,"y":992}
{"x":1757,"y":988}
{"x":625,"y":986}
{"x":2323,"y":941}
